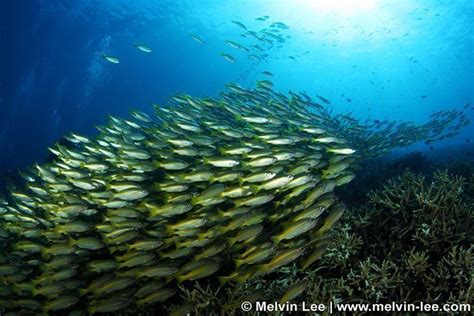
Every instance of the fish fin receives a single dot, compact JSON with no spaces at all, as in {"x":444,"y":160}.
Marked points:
{"x":180,"y":178}
{"x":242,"y":279}
{"x":223,"y":280}
{"x":276,"y":240}
{"x":71,"y":242}
{"x":255,"y":188}
{"x":83,"y":292}
{"x":169,"y":229}
{"x":201,"y":236}
{"x":35,"y":283}
{"x":232,"y":241}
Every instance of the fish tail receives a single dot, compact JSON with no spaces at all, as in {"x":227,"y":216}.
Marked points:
{"x":223,"y":280}
{"x":255,"y":188}
{"x":276,"y":240}
{"x":238,"y":263}
{"x":232,"y":242}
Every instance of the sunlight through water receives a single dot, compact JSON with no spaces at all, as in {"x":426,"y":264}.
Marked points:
{"x":343,"y":7}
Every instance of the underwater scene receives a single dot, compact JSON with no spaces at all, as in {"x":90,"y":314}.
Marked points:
{"x":236,"y":157}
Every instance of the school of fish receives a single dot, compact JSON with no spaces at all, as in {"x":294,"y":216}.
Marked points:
{"x":231,"y":187}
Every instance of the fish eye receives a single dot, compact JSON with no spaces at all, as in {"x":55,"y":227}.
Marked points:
{"x":203,"y":219}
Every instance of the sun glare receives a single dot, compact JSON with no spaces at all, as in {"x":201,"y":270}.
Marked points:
{"x":342,"y":7}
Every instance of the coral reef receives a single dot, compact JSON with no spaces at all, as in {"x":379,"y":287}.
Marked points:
{"x":412,"y":242}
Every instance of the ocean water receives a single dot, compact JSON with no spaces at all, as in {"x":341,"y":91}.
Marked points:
{"x":383,"y":55}
{"x":68,"y":66}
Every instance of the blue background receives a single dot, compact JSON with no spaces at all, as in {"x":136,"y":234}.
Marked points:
{"x":383,"y":55}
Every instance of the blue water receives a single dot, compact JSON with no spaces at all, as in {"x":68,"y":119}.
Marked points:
{"x":382,"y":55}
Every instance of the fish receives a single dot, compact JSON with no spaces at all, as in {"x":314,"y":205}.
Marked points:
{"x":202,"y":271}
{"x":267,"y":73}
{"x":237,"y":45}
{"x":293,"y":292}
{"x":111,"y":59}
{"x":258,"y":177}
{"x":315,"y":255}
{"x":295,"y":229}
{"x":240,"y":24}
{"x":274,"y":183}
{"x":341,"y":151}
{"x":88,"y":243}
{"x":256,"y":200}
{"x":228,"y":57}
{"x":157,"y":271}
{"x":222,"y":162}
{"x":196,"y":38}
{"x":280,"y":25}
{"x":131,"y":194}
{"x":326,"y":101}
{"x":344,"y":179}
{"x":283,"y":258}
{"x":158,"y":296}
{"x":101,"y":266}
{"x":143,"y":48}
{"x":62,"y":302}
{"x":267,"y":84}
{"x":256,"y":256}
{"x":245,"y":180}
{"x":183,"y":310}
{"x":263,"y":161}
{"x":187,"y":224}
{"x":262,"y":18}
{"x":247,"y":233}
{"x":108,"y":305}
